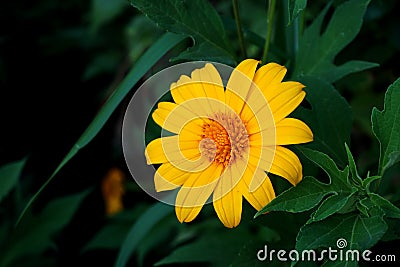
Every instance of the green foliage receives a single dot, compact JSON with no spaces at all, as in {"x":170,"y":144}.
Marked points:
{"x":390,"y":210}
{"x":34,"y":235}
{"x":349,"y":211}
{"x":330,"y":118}
{"x":355,"y":179}
{"x":104,"y":11}
{"x":359,"y":231}
{"x":309,"y":192}
{"x":295,"y":8}
{"x":331,"y":205}
{"x":317,"y":51}
{"x":9,"y":175}
{"x":197,"y":19}
{"x":221,"y":249}
{"x":303,"y":197}
{"x":386,"y":127}
{"x":152,"y":55}
{"x":337,"y":198}
{"x":114,"y":232}
{"x":139,"y":230}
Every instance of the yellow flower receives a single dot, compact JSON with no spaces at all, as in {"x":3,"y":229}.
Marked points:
{"x":227,"y":140}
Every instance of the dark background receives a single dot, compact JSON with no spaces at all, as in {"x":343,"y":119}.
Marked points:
{"x":60,"y":60}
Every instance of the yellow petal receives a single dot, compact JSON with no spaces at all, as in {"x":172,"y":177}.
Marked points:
{"x":168,"y":177}
{"x":263,"y":138}
{"x":268,"y":76}
{"x":270,"y":73}
{"x":192,"y":130}
{"x":284,"y":103}
{"x":211,"y":82}
{"x":256,"y":112}
{"x":292,"y":131}
{"x":185,"y":155}
{"x":251,"y":179}
{"x":179,"y":91}
{"x":204,"y":83}
{"x":284,"y":99}
{"x":256,"y":105}
{"x":169,"y":149}
{"x":229,"y":207}
{"x":227,"y":199}
{"x":261,"y":157}
{"x":261,"y":196}
{"x":239,"y":84}
{"x":290,"y":87}
{"x":195,"y":192}
{"x":187,"y":214}
{"x":171,"y":116}
{"x":154,"y":153}
{"x":161,"y":113}
{"x":176,"y":171}
{"x":287,"y":165}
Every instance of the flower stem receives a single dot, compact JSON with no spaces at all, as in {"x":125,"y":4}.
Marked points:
{"x":239,"y":28}
{"x":270,"y":19}
{"x":292,"y":32}
{"x":296,"y":34}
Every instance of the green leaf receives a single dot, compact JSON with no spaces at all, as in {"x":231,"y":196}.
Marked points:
{"x":34,"y":234}
{"x":143,"y":65}
{"x":330,"y":206}
{"x":363,"y":207}
{"x":394,"y":157}
{"x":9,"y":175}
{"x":393,"y":231}
{"x":194,"y":252}
{"x":304,"y":196}
{"x":351,"y":204}
{"x":102,"y":11}
{"x":355,"y":179}
{"x":140,"y":229}
{"x":276,"y":53}
{"x":205,"y":52}
{"x":216,"y":249}
{"x":195,"y":18}
{"x":388,"y":208}
{"x":114,"y":232}
{"x":35,"y":261}
{"x":295,"y":8}
{"x":109,"y":237}
{"x":317,"y":51}
{"x":338,"y":178}
{"x":309,"y":192}
{"x":367,"y":181}
{"x":386,"y":127}
{"x":360,"y":232}
{"x":338,"y":72}
{"x":330,"y":119}
{"x":246,"y":255}
{"x":159,"y":235}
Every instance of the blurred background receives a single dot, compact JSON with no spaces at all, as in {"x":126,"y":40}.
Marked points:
{"x":59,"y":61}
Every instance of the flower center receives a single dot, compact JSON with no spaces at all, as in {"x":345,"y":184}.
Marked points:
{"x":224,"y":138}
